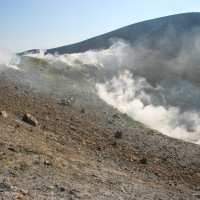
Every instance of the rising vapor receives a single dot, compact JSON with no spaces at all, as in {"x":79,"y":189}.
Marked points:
{"x":9,"y":60}
{"x":127,"y":93}
{"x":160,"y":92}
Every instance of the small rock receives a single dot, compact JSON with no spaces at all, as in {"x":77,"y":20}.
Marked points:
{"x":116,"y":116}
{"x":46,"y":162}
{"x":118,"y":134}
{"x":133,"y":158}
{"x":114,"y":143}
{"x":110,"y":122}
{"x":20,"y":197}
{"x":197,"y":195}
{"x":27,"y":92}
{"x":12,"y":149}
{"x":47,"y":118}
{"x":28,"y":118}
{"x":24,"y":192}
{"x":62,"y":189}
{"x":4,"y":187}
{"x":83,"y":110}
{"x":4,"y":114}
{"x":98,"y":148}
{"x":143,"y":161}
{"x":73,"y":192}
{"x":72,"y":128}
{"x":63,"y":102}
{"x":16,"y":87}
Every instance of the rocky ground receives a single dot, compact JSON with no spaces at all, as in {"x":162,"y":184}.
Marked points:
{"x":81,"y":148}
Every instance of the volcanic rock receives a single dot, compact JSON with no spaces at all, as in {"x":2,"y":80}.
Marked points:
{"x":46,"y":162}
{"x":83,"y":110}
{"x":28,"y":118}
{"x":143,"y":161}
{"x":3,"y":114}
{"x":63,"y":102}
{"x":62,"y":189}
{"x":118,"y":134}
{"x":116,"y":116}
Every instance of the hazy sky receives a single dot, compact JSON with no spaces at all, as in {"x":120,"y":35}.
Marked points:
{"x":28,"y":24}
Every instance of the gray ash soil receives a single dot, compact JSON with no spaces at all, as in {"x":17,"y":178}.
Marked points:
{"x":73,"y":153}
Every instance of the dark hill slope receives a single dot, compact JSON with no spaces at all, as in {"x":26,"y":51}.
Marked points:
{"x":171,"y":28}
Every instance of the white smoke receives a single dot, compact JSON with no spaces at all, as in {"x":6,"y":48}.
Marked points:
{"x":127,"y":93}
{"x":161,"y":93}
{"x":9,"y":60}
{"x":114,"y":57}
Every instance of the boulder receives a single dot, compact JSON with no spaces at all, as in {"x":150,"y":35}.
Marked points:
{"x":28,"y":118}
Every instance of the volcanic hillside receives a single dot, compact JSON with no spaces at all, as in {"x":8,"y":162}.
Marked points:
{"x":59,"y":140}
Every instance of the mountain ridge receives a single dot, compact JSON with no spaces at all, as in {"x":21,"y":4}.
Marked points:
{"x":130,"y":33}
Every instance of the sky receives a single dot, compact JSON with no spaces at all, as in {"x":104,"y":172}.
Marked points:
{"x":43,"y":24}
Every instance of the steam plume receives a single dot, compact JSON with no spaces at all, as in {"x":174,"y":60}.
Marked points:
{"x":9,"y":60}
{"x":157,"y":88}
{"x":127,"y":93}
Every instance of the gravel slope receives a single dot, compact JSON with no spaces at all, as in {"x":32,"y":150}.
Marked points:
{"x":74,"y":154}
